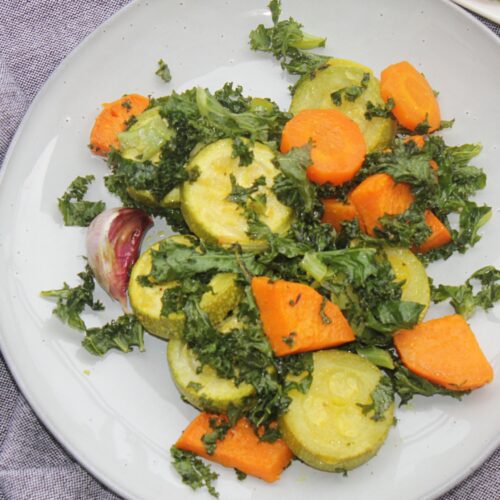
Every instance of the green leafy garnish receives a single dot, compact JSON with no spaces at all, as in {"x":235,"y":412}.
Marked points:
{"x":291,"y":186}
{"x":288,"y":43}
{"x":408,"y":384}
{"x":352,"y":92}
{"x":163,"y":71}
{"x":122,"y":333}
{"x":382,"y":398}
{"x":193,"y":471}
{"x":74,"y":209}
{"x":381,"y":111}
{"x":462,"y":297}
{"x":242,"y":151}
{"x":243,"y":195}
{"x":72,"y":301}
{"x":220,"y":428}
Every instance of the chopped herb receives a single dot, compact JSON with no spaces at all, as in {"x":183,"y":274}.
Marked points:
{"x":127,"y":104}
{"x":122,"y":333}
{"x":163,"y":71}
{"x":382,"y":398}
{"x":352,"y":92}
{"x":76,"y":211}
{"x":446,"y":124}
{"x":193,"y":471}
{"x":242,"y":151}
{"x":408,"y":384}
{"x":72,"y":301}
{"x":289,"y":44}
{"x":293,"y":302}
{"x":289,"y":340}
{"x":220,"y":428}
{"x":242,"y":195}
{"x":324,"y":317}
{"x":291,"y":186}
{"x":463,"y":298}
{"x":423,"y":127}
{"x":195,"y":386}
{"x":374,"y":111}
{"x":240,"y":475}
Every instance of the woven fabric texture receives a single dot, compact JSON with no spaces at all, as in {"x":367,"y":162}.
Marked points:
{"x":35,"y":36}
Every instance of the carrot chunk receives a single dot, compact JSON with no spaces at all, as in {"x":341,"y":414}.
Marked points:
{"x":414,"y":99}
{"x":444,"y":351}
{"x":336,"y":212}
{"x":296,"y":318}
{"x":377,"y":196}
{"x":240,"y":449}
{"x":338,"y":146}
{"x":440,"y":234}
{"x":112,"y":120}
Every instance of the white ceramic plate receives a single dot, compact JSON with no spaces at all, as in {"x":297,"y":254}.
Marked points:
{"x":119,"y":415}
{"x":486,"y":8}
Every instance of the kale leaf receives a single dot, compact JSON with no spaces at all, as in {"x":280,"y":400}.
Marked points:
{"x":173,"y":260}
{"x":72,"y":301}
{"x":408,"y":384}
{"x":382,"y":398}
{"x":291,"y":186}
{"x":122,"y":333}
{"x":462,"y":297}
{"x":163,"y":71}
{"x":288,"y":43}
{"x":193,"y":471}
{"x":74,"y":209}
{"x":352,"y":92}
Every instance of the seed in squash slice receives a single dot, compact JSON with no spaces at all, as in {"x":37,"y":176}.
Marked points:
{"x":326,"y":427}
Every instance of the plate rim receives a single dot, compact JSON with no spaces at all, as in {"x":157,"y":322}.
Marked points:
{"x":99,"y":476}
{"x":87,"y":465}
{"x":471,"y":5}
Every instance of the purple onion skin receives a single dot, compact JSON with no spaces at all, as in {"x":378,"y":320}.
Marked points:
{"x":113,"y":243}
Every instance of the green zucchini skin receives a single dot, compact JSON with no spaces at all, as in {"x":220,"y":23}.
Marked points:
{"x":205,"y":204}
{"x":326,"y":427}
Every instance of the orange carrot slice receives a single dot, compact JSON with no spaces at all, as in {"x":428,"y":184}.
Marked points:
{"x":336,"y":212}
{"x":414,"y":99}
{"x":296,"y":318}
{"x":240,"y":449}
{"x":440,"y":234}
{"x":338,"y":146}
{"x":444,"y":351}
{"x":380,"y":195}
{"x":112,"y":120}
{"x":377,"y":196}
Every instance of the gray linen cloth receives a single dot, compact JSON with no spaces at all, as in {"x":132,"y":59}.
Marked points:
{"x":35,"y":36}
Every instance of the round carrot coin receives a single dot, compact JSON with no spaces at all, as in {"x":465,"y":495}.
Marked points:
{"x":338,"y":146}
{"x":414,"y":99}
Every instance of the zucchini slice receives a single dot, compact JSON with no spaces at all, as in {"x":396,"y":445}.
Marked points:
{"x":146,"y":301}
{"x":204,"y":390}
{"x":316,"y":93}
{"x":171,"y":199}
{"x":326,"y":427}
{"x":408,"y":268}
{"x":205,"y":204}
